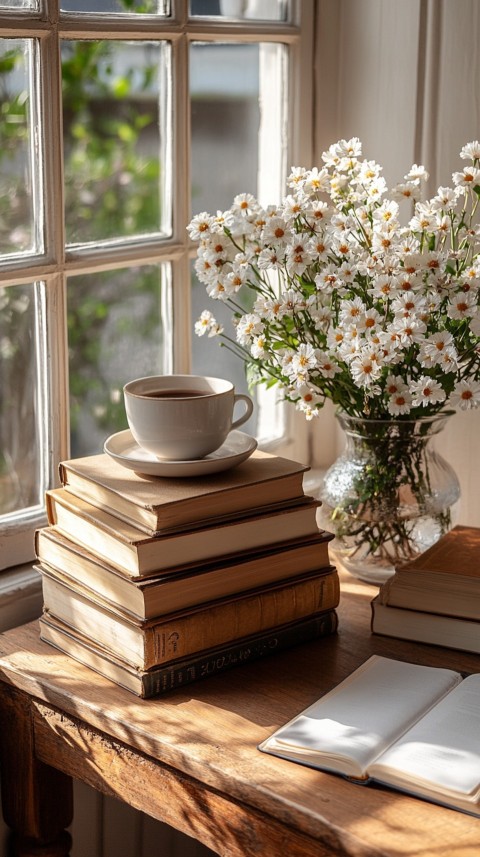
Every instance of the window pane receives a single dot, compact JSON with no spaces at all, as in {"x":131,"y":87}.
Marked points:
{"x":225,"y":118}
{"x":117,"y":329}
{"x":139,"y":7}
{"x":22,"y":408}
{"x":16,"y":198}
{"x":238,"y":133}
{"x":210,"y":358}
{"x":240,"y":10}
{"x":116,"y":137}
{"x":19,"y":4}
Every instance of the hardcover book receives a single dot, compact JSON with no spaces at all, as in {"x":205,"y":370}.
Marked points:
{"x":445,"y":579}
{"x":160,"y":680}
{"x":150,"y":597}
{"x":403,"y":725}
{"x":157,"y":505}
{"x":158,"y":641}
{"x":128,"y":548}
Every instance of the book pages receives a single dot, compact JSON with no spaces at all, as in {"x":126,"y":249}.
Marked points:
{"x":351,"y":725}
{"x":441,"y":751}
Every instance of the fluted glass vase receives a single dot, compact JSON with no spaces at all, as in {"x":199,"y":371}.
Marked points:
{"x":389,"y":496}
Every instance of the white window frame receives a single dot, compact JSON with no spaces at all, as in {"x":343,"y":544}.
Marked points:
{"x":55,"y":264}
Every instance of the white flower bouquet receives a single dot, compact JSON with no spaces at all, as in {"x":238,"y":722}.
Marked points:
{"x":333,"y":298}
{"x":336,"y":296}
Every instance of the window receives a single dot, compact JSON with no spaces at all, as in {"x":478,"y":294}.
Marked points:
{"x":119,"y":119}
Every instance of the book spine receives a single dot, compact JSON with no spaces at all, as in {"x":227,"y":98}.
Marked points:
{"x":163,"y":679}
{"x":250,"y":614}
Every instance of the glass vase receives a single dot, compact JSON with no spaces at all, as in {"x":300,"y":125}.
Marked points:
{"x":389,"y":495}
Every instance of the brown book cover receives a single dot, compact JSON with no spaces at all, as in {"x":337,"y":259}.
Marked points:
{"x":161,"y":680}
{"x":126,"y":547}
{"x":157,"y":505}
{"x":159,"y":641}
{"x":455,"y":553}
{"x":443,"y":580}
{"x":146,"y":598}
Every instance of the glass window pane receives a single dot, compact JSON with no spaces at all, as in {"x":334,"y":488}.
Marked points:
{"x":241,"y":10}
{"x":108,"y":7}
{"x":225,"y":118}
{"x":117,"y":134}
{"x":22,"y":409}
{"x":211,"y":358}
{"x":238,"y":128}
{"x":17,"y":233}
{"x":19,"y":4}
{"x":117,"y":329}
{"x":239,"y":123}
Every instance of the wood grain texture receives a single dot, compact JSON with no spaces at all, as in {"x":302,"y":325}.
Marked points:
{"x":113,"y":768}
{"x":205,"y":738}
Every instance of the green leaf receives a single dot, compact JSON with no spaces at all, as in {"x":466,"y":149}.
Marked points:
{"x":121,"y":87}
{"x":126,"y":133}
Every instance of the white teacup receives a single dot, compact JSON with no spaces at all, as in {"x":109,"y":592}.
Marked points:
{"x":182,"y":417}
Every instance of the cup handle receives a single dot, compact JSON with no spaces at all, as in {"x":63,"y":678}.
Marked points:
{"x":240,"y":397}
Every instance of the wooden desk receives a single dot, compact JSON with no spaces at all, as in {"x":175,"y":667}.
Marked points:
{"x":190,"y":758}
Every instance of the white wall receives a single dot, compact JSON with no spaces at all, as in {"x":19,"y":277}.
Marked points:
{"x":404,"y":77}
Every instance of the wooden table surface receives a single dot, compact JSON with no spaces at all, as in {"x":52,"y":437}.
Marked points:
{"x":190,"y":758}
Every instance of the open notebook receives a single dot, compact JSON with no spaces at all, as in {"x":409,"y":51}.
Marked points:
{"x":404,"y":725}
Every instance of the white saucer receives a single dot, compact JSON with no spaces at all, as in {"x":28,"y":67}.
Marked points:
{"x":124,"y":449}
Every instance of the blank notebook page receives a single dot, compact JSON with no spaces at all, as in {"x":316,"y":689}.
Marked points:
{"x":366,"y":712}
{"x":444,"y":747}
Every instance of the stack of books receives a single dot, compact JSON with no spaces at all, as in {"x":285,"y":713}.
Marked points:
{"x":436,"y":597}
{"x":157,"y":582}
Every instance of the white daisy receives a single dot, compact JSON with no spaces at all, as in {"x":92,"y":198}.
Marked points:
{"x":386,"y":212}
{"x":275,"y":231}
{"x":471,"y":151}
{"x":296,"y":177}
{"x":408,"y":330}
{"x":258,"y":348}
{"x":244,"y":204}
{"x":316,"y":180}
{"x":400,"y":403}
{"x":328,"y":279}
{"x":365,"y":368}
{"x":405,"y":190}
{"x":208,"y":324}
{"x":326,"y":365}
{"x":304,"y":359}
{"x":249,"y":325}
{"x":445,"y":198}
{"x":217,"y":290}
{"x":426,"y":391}
{"x":200,"y":225}
{"x":269,"y":259}
{"x":416,"y":173}
{"x":395,"y":384}
{"x":468,"y":177}
{"x":466,"y":395}
{"x":437,"y":343}
{"x":462,"y":305}
{"x":352,"y":310}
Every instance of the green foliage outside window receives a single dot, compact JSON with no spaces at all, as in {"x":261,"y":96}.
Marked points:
{"x":112,"y":180}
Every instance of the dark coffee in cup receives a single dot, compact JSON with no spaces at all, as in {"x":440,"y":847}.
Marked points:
{"x":175,"y":394}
